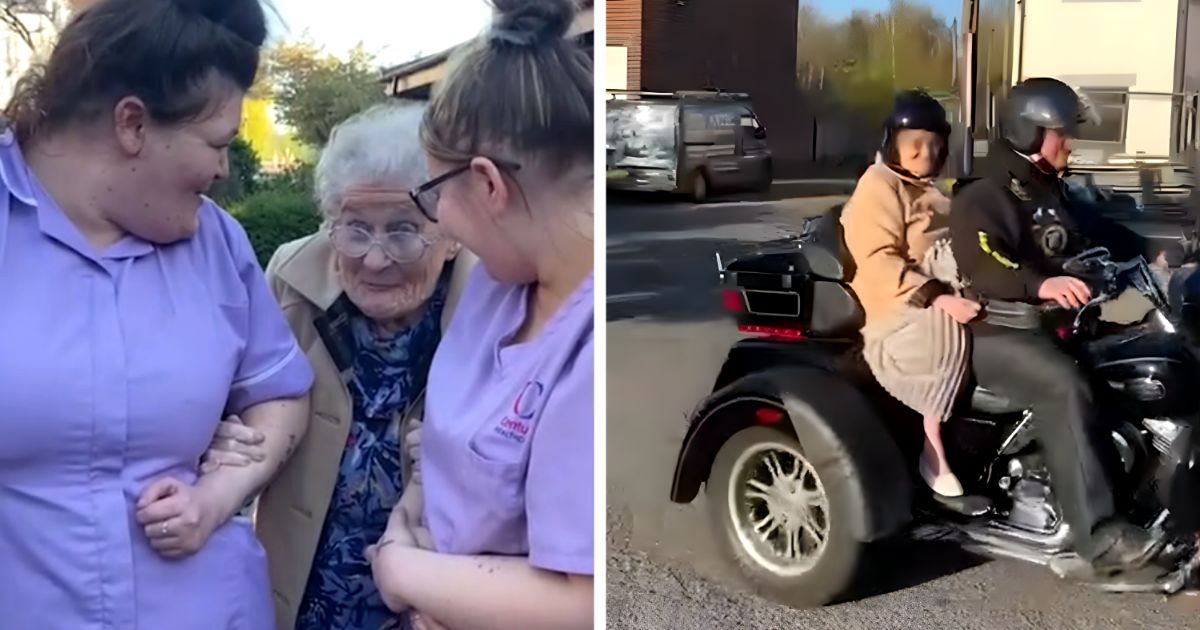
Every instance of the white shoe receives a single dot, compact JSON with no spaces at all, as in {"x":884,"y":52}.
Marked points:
{"x":945,"y":484}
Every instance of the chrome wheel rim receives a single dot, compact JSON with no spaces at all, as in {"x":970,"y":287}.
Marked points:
{"x":779,"y":508}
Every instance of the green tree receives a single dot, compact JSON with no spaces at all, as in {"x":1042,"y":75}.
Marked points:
{"x":861,"y":61}
{"x":314,"y":91}
{"x":244,"y":169}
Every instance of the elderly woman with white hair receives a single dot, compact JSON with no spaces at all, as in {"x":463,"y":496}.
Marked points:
{"x":366,"y":297}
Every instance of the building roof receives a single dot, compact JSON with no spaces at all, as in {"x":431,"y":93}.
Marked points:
{"x":431,"y":61}
{"x":417,"y":65}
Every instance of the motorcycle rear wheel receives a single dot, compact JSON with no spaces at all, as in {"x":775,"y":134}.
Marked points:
{"x":791,"y":539}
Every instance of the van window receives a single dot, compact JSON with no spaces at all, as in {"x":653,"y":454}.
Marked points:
{"x":751,"y":128}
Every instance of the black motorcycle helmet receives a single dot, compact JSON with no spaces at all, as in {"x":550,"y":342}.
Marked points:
{"x":1035,"y":105}
{"x":914,"y":109}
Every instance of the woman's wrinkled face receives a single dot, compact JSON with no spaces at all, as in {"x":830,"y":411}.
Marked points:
{"x":918,"y":151}
{"x":175,"y":165}
{"x":483,"y":209}
{"x":389,"y":256}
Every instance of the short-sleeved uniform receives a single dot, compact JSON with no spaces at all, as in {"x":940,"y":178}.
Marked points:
{"x":507,"y":458}
{"x":115,"y":368}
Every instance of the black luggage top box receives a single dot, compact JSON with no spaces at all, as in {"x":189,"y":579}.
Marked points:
{"x":797,"y":288}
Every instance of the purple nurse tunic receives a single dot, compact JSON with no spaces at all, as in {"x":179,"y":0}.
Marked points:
{"x":115,"y":368}
{"x":507,"y":446}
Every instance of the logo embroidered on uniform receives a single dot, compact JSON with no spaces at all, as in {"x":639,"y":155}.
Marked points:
{"x":527,"y":401}
{"x":516,"y":427}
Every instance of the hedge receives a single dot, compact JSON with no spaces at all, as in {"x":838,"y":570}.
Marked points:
{"x":245,"y":169}
{"x":274,"y":216}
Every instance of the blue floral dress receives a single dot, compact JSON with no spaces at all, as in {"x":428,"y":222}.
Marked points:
{"x":385,"y":378}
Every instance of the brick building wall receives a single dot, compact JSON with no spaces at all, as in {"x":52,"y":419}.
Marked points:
{"x":623,"y":19}
{"x":736,"y":46}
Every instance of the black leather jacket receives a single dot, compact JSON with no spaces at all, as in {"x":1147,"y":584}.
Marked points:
{"x":1014,"y":227}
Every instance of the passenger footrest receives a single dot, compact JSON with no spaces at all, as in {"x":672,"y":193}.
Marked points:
{"x":971,"y":505}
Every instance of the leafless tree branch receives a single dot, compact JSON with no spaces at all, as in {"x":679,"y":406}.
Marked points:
{"x":11,"y":21}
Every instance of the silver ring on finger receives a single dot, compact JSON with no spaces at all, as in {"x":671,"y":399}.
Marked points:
{"x":165,"y":529}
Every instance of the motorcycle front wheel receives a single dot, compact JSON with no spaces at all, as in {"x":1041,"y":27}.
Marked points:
{"x":769,"y":504}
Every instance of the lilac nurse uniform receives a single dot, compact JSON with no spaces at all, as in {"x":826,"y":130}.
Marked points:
{"x":115,"y":368}
{"x":507,"y":457}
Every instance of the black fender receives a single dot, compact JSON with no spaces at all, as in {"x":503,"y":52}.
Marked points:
{"x":757,"y":355}
{"x":819,"y":403}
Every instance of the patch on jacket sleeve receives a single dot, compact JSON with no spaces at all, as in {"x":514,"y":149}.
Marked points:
{"x":1000,"y":258}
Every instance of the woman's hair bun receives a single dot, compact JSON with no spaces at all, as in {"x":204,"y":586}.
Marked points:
{"x":529,"y":22}
{"x":244,"y":18}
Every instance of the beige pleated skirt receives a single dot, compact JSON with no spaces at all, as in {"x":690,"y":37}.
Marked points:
{"x":920,"y":355}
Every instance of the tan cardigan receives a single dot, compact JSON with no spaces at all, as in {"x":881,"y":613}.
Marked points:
{"x":291,"y":511}
{"x":888,"y":224}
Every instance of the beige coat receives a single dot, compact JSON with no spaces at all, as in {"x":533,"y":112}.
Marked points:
{"x":889,"y":223}
{"x":897,"y":232}
{"x":291,"y":511}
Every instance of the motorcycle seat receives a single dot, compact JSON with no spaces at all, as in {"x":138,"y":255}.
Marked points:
{"x":836,"y":263}
{"x":989,"y":402}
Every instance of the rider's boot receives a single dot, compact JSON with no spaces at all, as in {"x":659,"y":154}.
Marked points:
{"x":1120,"y":556}
{"x":1120,"y":546}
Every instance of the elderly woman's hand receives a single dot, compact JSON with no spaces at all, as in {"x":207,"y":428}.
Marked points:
{"x":410,"y":514}
{"x":404,"y":529}
{"x":396,"y":535}
{"x":960,"y":309}
{"x":235,"y":444}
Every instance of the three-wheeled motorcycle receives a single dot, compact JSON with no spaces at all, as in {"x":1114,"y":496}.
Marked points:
{"x":807,"y":463}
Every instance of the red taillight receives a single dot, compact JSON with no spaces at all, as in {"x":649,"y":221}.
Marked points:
{"x":768,"y":415}
{"x":733,"y":302}
{"x":776,"y":333}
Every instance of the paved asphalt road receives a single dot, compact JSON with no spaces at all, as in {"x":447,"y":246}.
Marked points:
{"x":666,"y":339}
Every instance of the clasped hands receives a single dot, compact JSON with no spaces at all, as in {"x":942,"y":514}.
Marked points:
{"x":177,"y":517}
{"x":236,"y":444}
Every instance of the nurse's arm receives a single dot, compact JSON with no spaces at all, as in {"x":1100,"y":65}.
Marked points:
{"x":504,"y":591}
{"x":269,"y":390}
{"x":282,"y":423}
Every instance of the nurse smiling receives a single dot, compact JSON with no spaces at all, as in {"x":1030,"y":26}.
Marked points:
{"x":135,"y":318}
{"x":507,"y":448}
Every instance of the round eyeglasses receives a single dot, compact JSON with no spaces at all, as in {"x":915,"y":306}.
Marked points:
{"x":400,"y":247}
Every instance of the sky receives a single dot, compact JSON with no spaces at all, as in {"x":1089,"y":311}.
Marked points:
{"x":390,"y":28}
{"x":949,"y":9}
{"x":401,"y":30}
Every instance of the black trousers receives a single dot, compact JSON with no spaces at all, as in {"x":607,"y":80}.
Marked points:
{"x":1027,"y":368}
